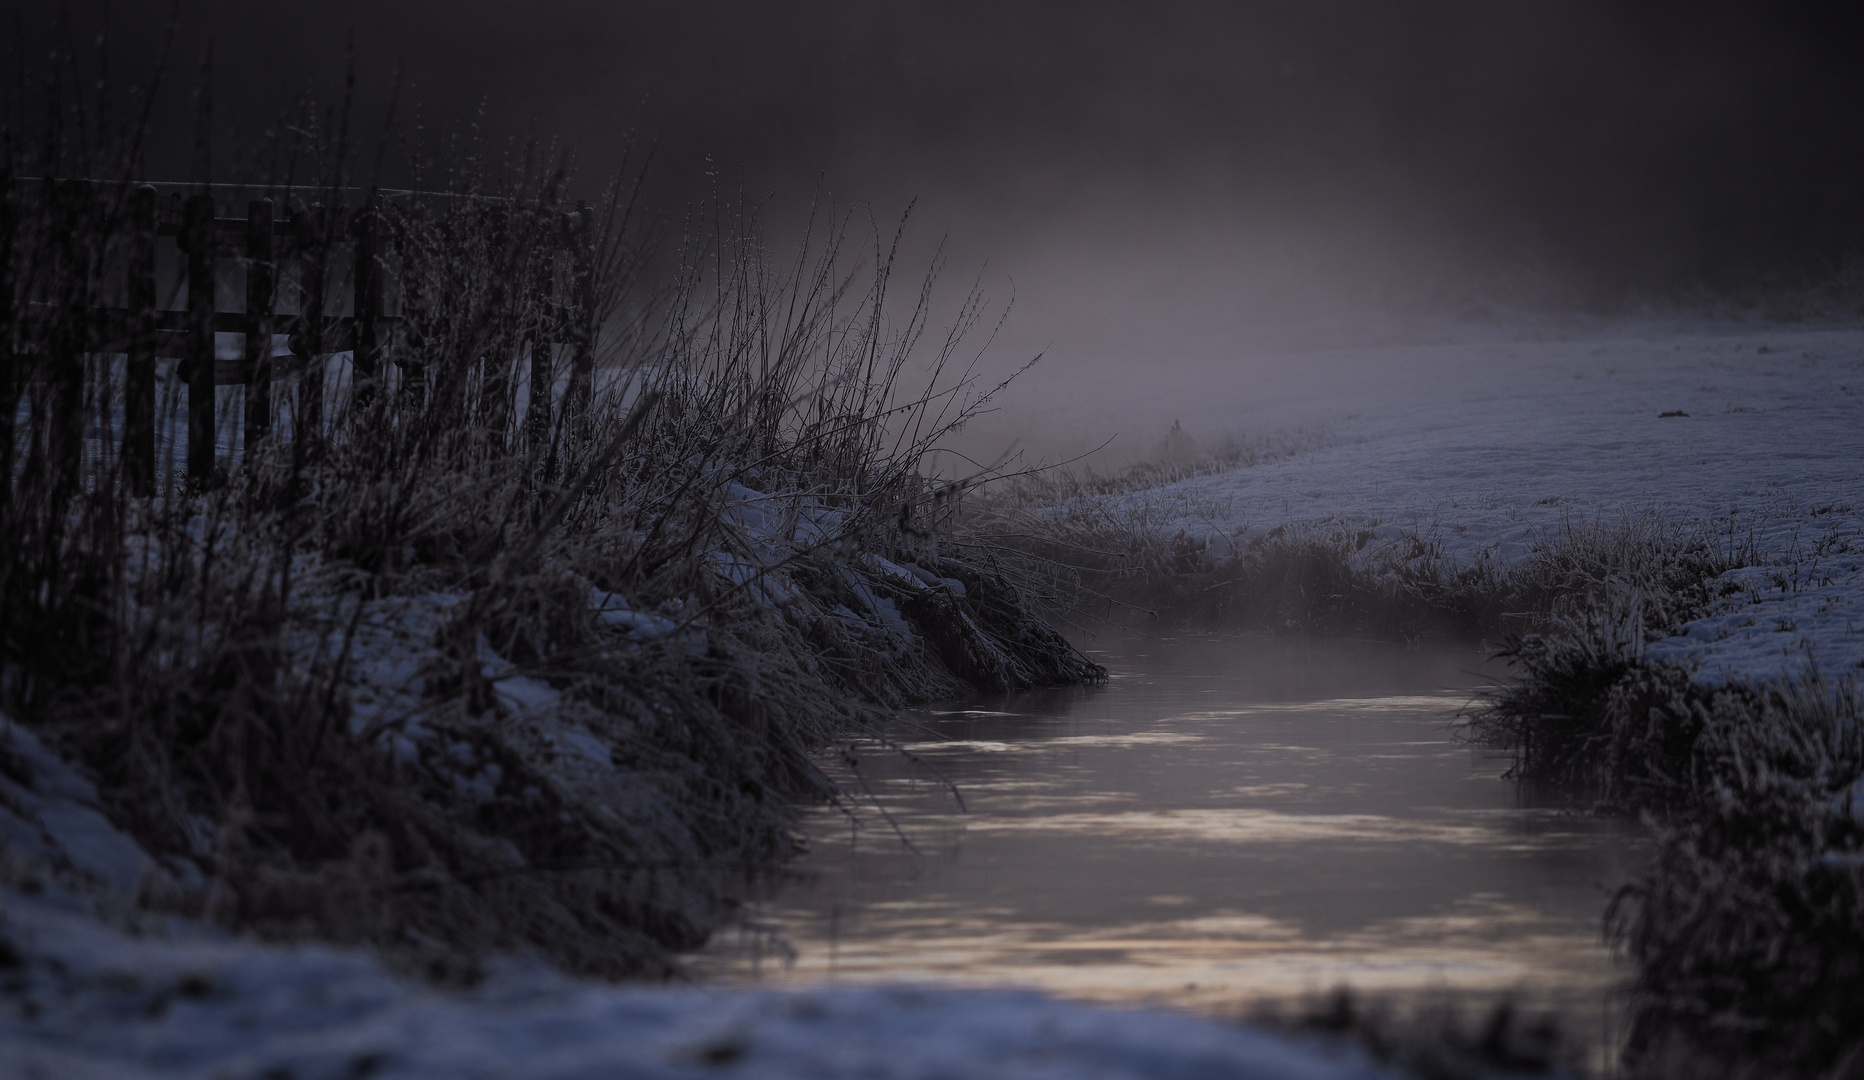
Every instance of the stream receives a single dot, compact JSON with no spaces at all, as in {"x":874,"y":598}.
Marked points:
{"x":1228,"y":821}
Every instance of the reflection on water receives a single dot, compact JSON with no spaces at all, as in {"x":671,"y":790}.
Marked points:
{"x":1229,"y":819}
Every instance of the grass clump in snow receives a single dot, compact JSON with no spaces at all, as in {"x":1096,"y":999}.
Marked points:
{"x":1745,"y":930}
{"x":1112,"y":548}
{"x":1435,"y":1041}
{"x":477,"y":652}
{"x":1585,"y":710}
{"x":1748,"y":930}
{"x":1119,"y":549}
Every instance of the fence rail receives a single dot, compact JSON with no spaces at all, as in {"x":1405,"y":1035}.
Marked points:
{"x":54,"y":335}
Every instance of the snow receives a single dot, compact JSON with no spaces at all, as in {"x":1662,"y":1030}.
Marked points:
{"x":1501,"y":443}
{"x":391,"y":644}
{"x":516,"y":692}
{"x":90,"y":1000}
{"x":50,"y":815}
{"x":1758,"y":634}
{"x":87,"y":990}
{"x":613,"y":609}
{"x":586,"y":744}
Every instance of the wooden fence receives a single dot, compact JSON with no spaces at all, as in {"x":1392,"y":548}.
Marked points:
{"x":83,"y":217}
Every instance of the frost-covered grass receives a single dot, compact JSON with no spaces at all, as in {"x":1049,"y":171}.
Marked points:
{"x":1662,"y":524}
{"x":87,"y":1000}
{"x":93,"y":984}
{"x":1450,"y":482}
{"x":468,"y":660}
{"x":1748,"y":931}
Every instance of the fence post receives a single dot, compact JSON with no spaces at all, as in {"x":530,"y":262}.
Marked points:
{"x":138,"y":457}
{"x":9,"y":367}
{"x":259,"y":290}
{"x":366,"y":354}
{"x":313,"y":228}
{"x":416,"y":310}
{"x":198,"y":230}
{"x":582,"y":318}
{"x":64,"y":344}
{"x":537,"y":413}
{"x":503,"y":302}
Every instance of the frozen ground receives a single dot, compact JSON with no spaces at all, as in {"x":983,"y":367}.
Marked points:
{"x":92,"y":1002}
{"x":1491,"y":443}
{"x":89,"y":991}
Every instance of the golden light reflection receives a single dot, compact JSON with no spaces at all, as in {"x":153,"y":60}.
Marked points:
{"x":1442,"y":704}
{"x":1243,"y":825}
{"x":1154,"y":849}
{"x":1139,"y":738}
{"x":1485,"y":945}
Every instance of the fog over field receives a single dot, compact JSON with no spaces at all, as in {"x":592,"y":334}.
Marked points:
{"x":1174,"y":194}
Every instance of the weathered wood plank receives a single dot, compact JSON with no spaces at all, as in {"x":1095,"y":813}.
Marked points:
{"x":311,"y":229}
{"x":138,"y":455}
{"x":367,"y":280}
{"x":259,"y":298}
{"x":197,"y":242}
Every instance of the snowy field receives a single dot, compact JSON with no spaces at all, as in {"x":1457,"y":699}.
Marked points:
{"x":1492,"y":443}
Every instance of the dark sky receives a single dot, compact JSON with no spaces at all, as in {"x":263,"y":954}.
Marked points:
{"x":1656,"y":139}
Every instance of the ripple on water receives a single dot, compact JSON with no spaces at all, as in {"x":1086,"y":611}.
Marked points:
{"x":1229,"y":819}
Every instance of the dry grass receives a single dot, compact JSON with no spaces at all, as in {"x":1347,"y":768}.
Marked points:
{"x":1108,"y":548}
{"x":358,"y":686}
{"x":1748,"y":931}
{"x":1745,"y":932}
{"x":1438,"y":1040}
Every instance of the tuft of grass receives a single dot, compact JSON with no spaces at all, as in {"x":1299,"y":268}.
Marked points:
{"x":1748,"y":929}
{"x":1744,"y":931}
{"x":479,"y":651}
{"x":1436,"y":1041}
{"x":1110,"y":548}
{"x":1585,"y":710}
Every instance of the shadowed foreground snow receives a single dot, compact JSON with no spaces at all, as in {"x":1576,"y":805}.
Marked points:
{"x":82,"y":998}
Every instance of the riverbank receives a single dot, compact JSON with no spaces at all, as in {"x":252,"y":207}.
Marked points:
{"x":1233,"y":820}
{"x":96,"y":985}
{"x":1455,"y":477}
{"x":508,"y":611}
{"x":1661,"y":525}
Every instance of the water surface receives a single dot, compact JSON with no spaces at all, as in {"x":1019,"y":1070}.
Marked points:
{"x":1229,"y":819}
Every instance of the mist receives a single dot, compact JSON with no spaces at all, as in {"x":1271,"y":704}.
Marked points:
{"x":1182,"y":191}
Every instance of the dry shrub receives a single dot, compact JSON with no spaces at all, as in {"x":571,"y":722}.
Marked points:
{"x":357,"y":686}
{"x":1435,"y":1040}
{"x":1748,"y":930}
{"x":1113,"y":548}
{"x":1586,"y":710}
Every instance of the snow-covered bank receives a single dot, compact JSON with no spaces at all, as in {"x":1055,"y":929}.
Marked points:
{"x":88,"y":989}
{"x":1677,"y":512}
{"x":1488,"y":448}
{"x":84,"y":1000}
